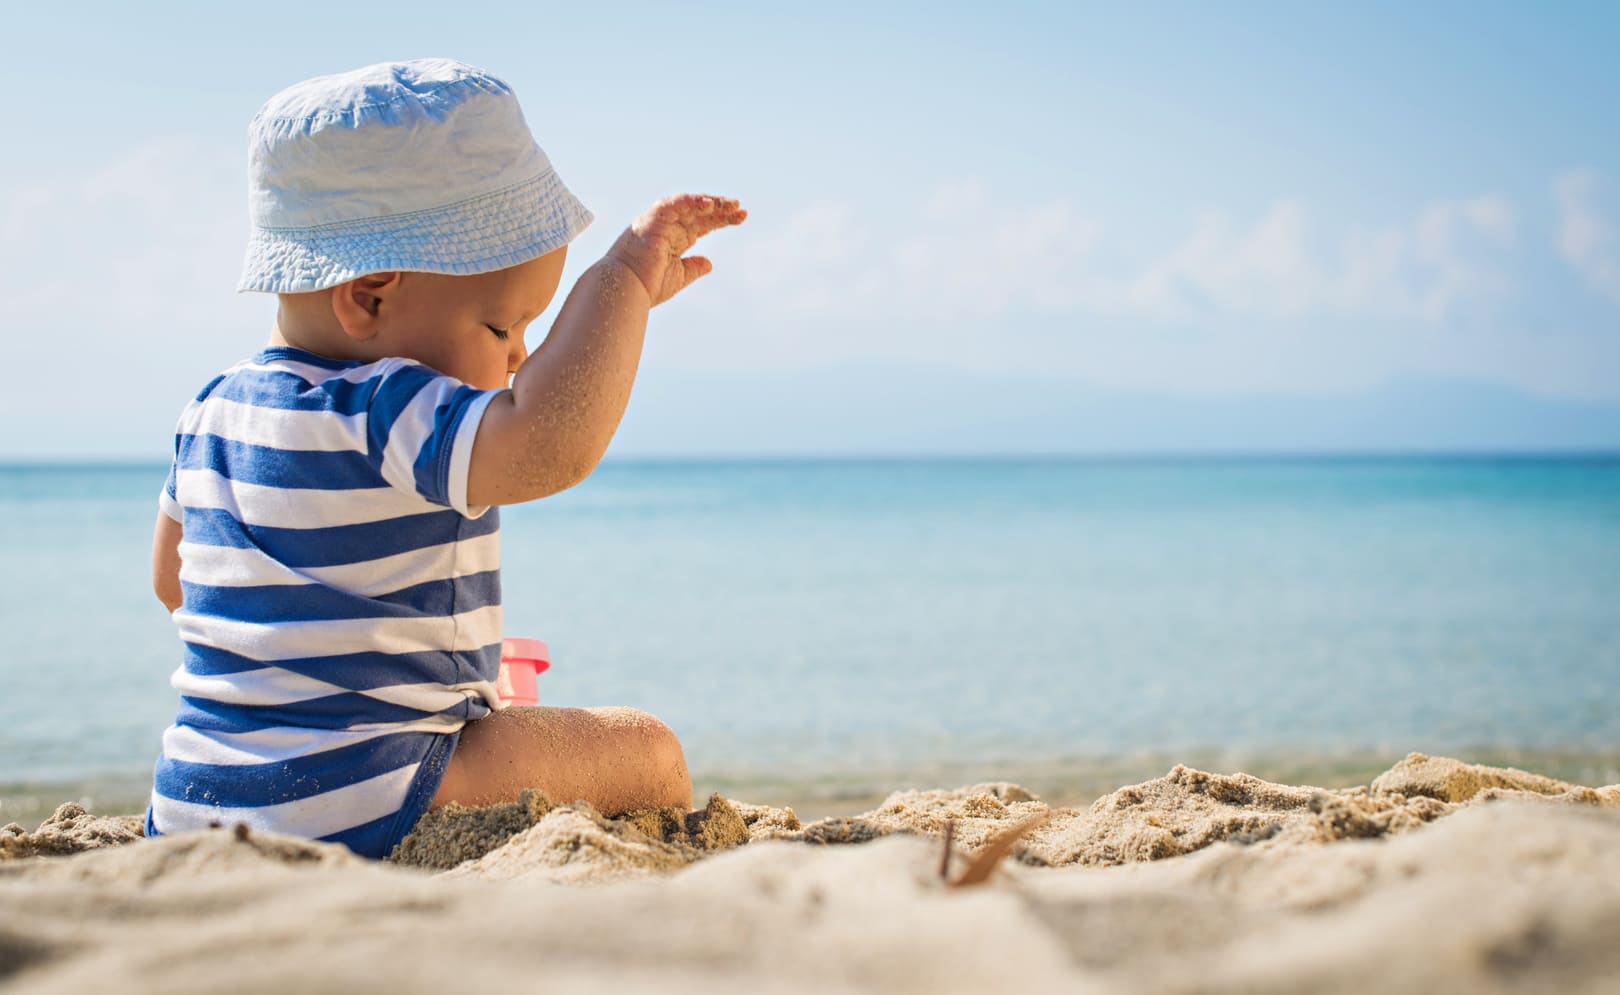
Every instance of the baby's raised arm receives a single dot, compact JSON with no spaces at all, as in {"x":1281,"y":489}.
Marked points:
{"x":549,"y":431}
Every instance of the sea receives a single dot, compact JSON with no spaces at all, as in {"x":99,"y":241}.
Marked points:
{"x":852,"y":625}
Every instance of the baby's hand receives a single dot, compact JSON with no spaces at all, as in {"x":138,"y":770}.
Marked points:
{"x":651,"y":247}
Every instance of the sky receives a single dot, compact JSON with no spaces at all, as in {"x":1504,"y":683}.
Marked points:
{"x":1018,"y":227}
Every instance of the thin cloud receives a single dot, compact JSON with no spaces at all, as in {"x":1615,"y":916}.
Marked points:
{"x":1586,"y":238}
{"x":1267,"y":270}
{"x":1446,"y":259}
{"x":965,"y":254}
{"x":959,"y":256}
{"x":811,"y":257}
{"x":126,"y":269}
{"x":155,"y":234}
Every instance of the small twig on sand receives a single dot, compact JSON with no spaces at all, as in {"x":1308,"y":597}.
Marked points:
{"x":984,"y":862}
{"x":945,"y":859}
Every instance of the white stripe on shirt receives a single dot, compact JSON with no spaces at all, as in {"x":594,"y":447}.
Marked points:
{"x":295,"y":508}
{"x":268,"y":643}
{"x":318,"y":815}
{"x":277,"y":428}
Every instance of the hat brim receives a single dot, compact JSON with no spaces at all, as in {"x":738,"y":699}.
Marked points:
{"x":477,"y":235}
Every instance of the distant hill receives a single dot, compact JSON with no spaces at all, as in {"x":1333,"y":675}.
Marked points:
{"x":877,"y":411}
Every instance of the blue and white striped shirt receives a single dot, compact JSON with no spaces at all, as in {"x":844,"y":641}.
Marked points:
{"x":342,"y":604}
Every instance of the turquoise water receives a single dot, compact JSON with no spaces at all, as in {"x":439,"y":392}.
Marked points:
{"x":790,"y":618}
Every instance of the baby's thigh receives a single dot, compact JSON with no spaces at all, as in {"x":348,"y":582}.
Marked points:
{"x":618,"y":759}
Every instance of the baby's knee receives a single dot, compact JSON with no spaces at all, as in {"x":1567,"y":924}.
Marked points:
{"x":659,"y":749}
{"x":648,"y":733}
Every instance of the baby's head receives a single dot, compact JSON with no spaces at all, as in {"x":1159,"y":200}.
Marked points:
{"x":404,"y":209}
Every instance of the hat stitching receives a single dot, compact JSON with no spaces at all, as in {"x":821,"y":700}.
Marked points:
{"x":353,"y":222}
{"x":327,"y":261}
{"x":484,"y":236}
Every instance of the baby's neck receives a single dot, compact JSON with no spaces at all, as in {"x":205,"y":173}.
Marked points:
{"x":299,"y":324}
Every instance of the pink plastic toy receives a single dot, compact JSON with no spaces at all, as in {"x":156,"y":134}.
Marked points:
{"x":522,"y":660}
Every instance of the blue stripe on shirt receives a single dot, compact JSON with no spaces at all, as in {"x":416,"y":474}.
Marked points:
{"x":271,"y":603}
{"x":269,"y":467}
{"x":269,"y":354}
{"x":432,"y":466}
{"x":211,"y":386}
{"x":337,"y":545}
{"x":389,"y":403}
{"x":254,"y":785}
{"x":284,"y":390}
{"x":359,"y":671}
{"x":333,"y":711}
{"x":374,"y":839}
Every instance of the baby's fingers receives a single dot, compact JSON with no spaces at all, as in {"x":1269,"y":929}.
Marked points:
{"x":695,"y":266}
{"x":706,"y":221}
{"x":699,"y":214}
{"x":696,"y":204}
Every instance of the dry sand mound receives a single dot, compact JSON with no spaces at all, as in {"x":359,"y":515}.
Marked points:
{"x":532,"y":835}
{"x":1182,"y":812}
{"x":1511,"y":884}
{"x":70,"y":829}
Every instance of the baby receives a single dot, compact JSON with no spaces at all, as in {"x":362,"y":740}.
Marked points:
{"x":327,"y":538}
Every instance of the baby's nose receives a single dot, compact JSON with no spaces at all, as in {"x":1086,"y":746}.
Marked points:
{"x":516,"y":354}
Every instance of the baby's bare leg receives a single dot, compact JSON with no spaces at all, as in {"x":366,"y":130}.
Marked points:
{"x":618,"y":759}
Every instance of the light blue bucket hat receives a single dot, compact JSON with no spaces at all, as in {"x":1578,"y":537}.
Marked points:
{"x":426,"y":166}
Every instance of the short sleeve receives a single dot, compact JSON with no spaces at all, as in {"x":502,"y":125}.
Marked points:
{"x":168,"y":501}
{"x":420,"y":427}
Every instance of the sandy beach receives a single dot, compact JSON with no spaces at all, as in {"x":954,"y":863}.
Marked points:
{"x":1437,"y":876}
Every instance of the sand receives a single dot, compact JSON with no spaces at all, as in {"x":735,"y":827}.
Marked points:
{"x":1436,"y":876}
{"x":70,"y":829}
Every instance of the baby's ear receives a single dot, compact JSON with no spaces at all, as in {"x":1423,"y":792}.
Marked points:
{"x":356,"y":304}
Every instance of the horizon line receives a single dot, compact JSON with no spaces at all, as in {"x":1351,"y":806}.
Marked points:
{"x":1472,"y":453}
